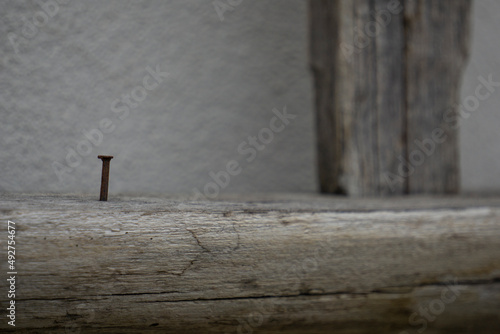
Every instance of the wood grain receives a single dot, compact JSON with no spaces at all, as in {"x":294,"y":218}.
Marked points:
{"x":437,"y":49}
{"x":283,"y":264}
{"x":387,"y":73}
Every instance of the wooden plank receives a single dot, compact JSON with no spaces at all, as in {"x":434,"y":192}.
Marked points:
{"x":437,"y":48}
{"x":377,"y":312}
{"x":355,"y":52}
{"x":362,"y":167}
{"x":390,"y":103}
{"x":289,"y":264}
{"x":385,"y":75}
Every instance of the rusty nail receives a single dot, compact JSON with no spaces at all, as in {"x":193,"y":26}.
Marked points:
{"x":105,"y":176}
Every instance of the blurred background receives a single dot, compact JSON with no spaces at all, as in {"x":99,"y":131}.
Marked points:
{"x":174,"y":90}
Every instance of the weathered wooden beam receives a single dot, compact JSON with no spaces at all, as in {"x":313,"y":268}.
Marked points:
{"x":387,"y":79}
{"x":290,"y":264}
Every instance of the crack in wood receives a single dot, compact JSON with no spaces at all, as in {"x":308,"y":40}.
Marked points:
{"x":191,"y":263}
{"x":198,"y":241}
{"x":238,"y":237}
{"x":379,"y":291}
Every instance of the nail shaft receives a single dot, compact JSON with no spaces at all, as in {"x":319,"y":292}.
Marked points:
{"x":105,"y":176}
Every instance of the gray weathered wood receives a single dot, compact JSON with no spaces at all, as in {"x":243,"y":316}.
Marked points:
{"x":437,"y":48}
{"x":294,"y":264}
{"x":385,"y":74}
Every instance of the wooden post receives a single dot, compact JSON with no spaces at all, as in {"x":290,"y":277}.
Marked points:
{"x":387,"y":78}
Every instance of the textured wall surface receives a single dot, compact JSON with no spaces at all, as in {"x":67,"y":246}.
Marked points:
{"x":480,"y":135}
{"x":224,"y":80}
{"x":74,"y":70}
